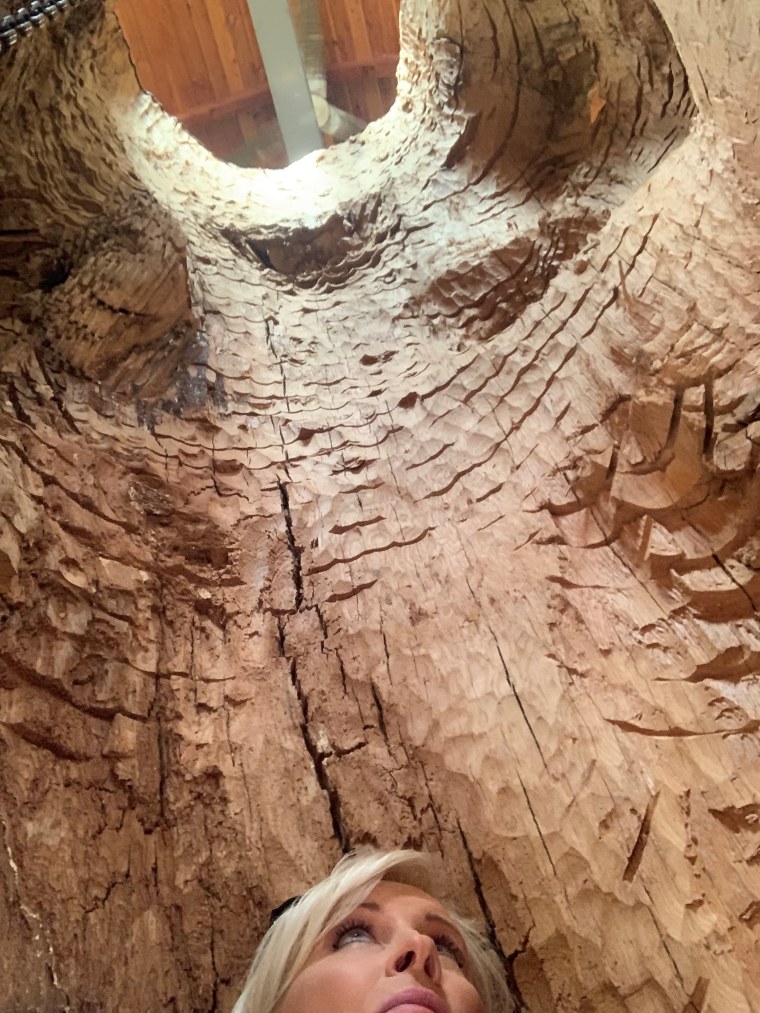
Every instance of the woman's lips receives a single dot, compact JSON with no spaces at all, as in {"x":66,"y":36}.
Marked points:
{"x":421,"y":997}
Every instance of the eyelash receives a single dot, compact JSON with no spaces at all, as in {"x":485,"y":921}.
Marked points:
{"x":347,"y":926}
{"x":352,"y":924}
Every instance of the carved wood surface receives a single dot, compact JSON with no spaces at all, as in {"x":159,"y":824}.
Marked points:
{"x":408,"y":495}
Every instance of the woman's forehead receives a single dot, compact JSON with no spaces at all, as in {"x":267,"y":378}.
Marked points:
{"x":389,"y":892}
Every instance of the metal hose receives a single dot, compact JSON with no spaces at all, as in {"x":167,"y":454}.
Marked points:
{"x":25,"y":19}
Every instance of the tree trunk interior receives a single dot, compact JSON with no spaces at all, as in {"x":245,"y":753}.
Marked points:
{"x":406,"y":496}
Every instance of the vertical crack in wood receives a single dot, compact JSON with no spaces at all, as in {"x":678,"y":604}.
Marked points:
{"x":511,"y":685}
{"x":666,"y":947}
{"x":536,"y":824}
{"x":708,"y":442}
{"x":340,"y":831}
{"x":520,"y":704}
{"x":507,"y":960}
{"x":637,"y":851}
{"x":295,"y":550}
{"x":380,"y":712}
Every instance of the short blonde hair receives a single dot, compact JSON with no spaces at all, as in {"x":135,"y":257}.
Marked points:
{"x":285,"y":948}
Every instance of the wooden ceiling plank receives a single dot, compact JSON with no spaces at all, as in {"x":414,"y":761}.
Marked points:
{"x":170,"y":58}
{"x":388,"y":87}
{"x":201,"y":82}
{"x":369,"y":96}
{"x":204,"y":30}
{"x":381,"y":20}
{"x":225,"y":21}
{"x":357,"y":27}
{"x":171,"y":44}
{"x":150,"y":73}
{"x":375,"y":102}
{"x":250,"y":99}
{"x":336,"y":42}
{"x":246,"y":45}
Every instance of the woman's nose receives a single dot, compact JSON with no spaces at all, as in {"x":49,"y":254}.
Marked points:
{"x":418,"y":954}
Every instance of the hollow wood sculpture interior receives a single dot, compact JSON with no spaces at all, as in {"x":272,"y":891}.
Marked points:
{"x":408,"y":495}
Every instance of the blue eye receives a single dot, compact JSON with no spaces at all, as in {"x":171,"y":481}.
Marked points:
{"x":351,"y":932}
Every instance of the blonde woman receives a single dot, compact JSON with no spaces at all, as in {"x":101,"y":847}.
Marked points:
{"x":371,"y":938}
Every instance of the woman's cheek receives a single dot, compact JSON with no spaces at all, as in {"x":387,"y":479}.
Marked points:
{"x":338,"y":983}
{"x":462,"y":995}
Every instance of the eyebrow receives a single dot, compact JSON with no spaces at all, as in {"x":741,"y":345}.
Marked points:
{"x":440,"y":920}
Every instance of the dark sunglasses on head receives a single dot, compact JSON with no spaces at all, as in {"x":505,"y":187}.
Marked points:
{"x":282,"y":908}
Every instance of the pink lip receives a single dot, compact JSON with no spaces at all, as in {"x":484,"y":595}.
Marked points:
{"x":416,"y":997}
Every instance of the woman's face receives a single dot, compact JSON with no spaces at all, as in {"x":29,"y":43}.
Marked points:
{"x":397,"y":951}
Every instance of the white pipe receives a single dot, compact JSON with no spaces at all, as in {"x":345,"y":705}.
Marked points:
{"x":286,"y":76}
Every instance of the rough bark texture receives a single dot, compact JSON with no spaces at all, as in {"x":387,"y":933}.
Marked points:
{"x":408,"y":495}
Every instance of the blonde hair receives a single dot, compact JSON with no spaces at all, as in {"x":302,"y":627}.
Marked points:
{"x":285,"y":948}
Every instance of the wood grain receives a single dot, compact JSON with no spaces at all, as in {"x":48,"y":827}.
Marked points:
{"x":408,"y":495}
